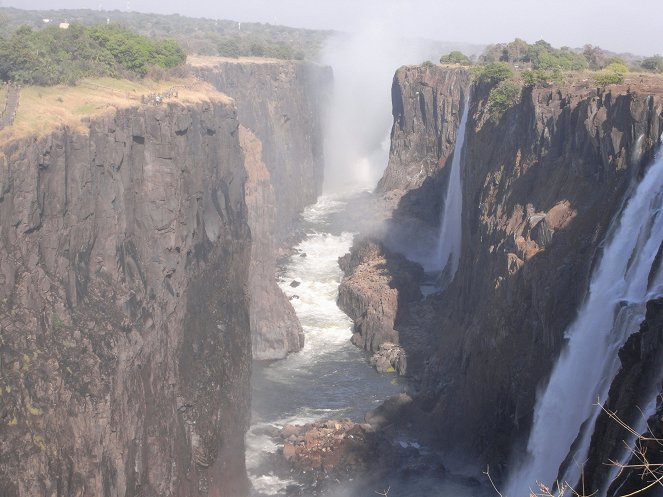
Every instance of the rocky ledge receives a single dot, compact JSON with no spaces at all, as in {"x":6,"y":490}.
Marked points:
{"x":362,"y":456}
{"x":377,"y":283}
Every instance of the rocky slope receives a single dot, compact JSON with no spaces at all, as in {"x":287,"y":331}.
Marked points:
{"x":540,"y":188}
{"x":125,"y":346}
{"x":280,"y":104}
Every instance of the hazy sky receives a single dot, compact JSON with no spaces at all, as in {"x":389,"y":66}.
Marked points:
{"x":613,"y":24}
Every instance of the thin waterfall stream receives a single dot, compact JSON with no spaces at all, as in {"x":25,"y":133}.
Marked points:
{"x":447,"y":252}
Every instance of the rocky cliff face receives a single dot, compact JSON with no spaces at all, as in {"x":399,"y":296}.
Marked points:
{"x":540,"y":188}
{"x":280,"y":104}
{"x":641,"y":359}
{"x":426,"y":104}
{"x":125,"y":346}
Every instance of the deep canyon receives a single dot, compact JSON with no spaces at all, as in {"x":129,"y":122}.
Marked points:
{"x":138,"y":282}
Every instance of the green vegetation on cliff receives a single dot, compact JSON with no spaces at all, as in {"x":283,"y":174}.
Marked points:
{"x":456,"y":57}
{"x":540,"y":55}
{"x":503,"y":96}
{"x":53,"y":56}
{"x":492,"y":73}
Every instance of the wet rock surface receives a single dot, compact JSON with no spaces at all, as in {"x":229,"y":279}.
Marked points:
{"x":363,"y":458}
{"x":641,"y":362}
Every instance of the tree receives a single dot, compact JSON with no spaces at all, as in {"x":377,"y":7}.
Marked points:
{"x":595,"y":57}
{"x":53,"y":56}
{"x":456,"y":57}
{"x":494,"y":73}
{"x":516,"y":51}
{"x":229,"y":48}
{"x":654,"y":63}
{"x":502,"y":97}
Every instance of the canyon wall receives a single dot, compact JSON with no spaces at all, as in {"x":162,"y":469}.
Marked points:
{"x":541,"y":185}
{"x":280,"y":104}
{"x":125,"y":348}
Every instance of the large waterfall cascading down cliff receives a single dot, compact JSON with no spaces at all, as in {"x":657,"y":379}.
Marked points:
{"x":620,"y":287}
{"x":447,"y":253}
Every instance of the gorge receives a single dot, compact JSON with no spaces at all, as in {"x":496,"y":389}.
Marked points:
{"x":172,"y":279}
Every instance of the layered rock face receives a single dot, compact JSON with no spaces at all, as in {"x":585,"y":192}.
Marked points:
{"x":275,"y":327}
{"x":426,"y":104}
{"x":379,"y":283}
{"x":376,"y":285}
{"x":280,"y":104}
{"x":125,"y":347}
{"x":540,"y":188}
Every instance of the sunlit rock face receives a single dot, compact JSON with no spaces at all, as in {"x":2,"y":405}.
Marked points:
{"x":125,"y":346}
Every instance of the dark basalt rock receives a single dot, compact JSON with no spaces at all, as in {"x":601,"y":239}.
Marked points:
{"x":126,"y":352}
{"x":540,"y":189}
{"x":279,"y":104}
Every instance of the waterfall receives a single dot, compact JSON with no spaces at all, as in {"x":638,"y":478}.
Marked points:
{"x":447,"y":252}
{"x":612,"y":311}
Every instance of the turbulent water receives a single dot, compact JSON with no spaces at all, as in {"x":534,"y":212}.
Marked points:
{"x":329,"y":378}
{"x":613,"y":310}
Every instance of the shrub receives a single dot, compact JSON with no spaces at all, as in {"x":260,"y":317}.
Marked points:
{"x":229,"y":48}
{"x":654,"y":63}
{"x":456,"y":57}
{"x":494,"y":73}
{"x":540,"y":77}
{"x":502,"y":97}
{"x":605,"y":78}
{"x":617,"y":67}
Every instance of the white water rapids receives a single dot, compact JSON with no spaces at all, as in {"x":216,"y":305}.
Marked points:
{"x":612,"y":311}
{"x":330,"y":377}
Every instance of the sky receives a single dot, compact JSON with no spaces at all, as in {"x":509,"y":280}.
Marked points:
{"x":616,"y":25}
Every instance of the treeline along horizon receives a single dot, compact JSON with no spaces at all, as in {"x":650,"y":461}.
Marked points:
{"x":54,"y":55}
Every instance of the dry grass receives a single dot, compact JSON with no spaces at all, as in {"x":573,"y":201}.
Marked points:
{"x":3,"y":96}
{"x":212,"y":61}
{"x":43,"y":109}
